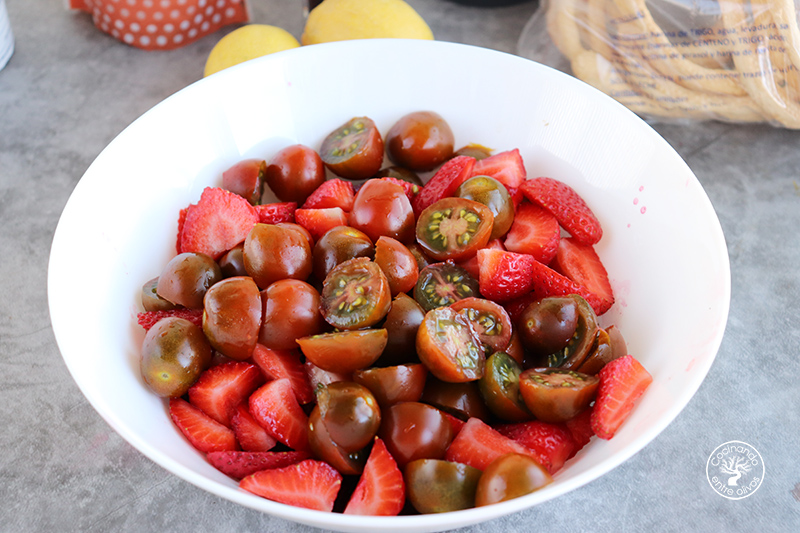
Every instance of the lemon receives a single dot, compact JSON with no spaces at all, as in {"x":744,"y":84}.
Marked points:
{"x":248,"y":42}
{"x":342,"y":20}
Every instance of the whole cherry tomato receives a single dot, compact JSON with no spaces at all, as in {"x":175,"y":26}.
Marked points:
{"x":291,"y":311}
{"x":337,"y":246}
{"x":382,"y":208}
{"x":437,"y":486}
{"x":510,"y":476}
{"x":413,"y":430}
{"x":397,"y":263}
{"x":272,"y":253}
{"x":294,"y":173}
{"x":232,"y":317}
{"x":402,"y":322}
{"x":420,"y":141}
{"x":394,"y":384}
{"x":186,"y":278}
{"x":174,"y":354}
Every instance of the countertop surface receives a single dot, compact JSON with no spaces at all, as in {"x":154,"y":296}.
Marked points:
{"x":69,"y":90}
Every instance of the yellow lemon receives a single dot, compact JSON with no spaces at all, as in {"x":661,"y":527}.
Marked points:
{"x":248,"y":42}
{"x":342,"y":20}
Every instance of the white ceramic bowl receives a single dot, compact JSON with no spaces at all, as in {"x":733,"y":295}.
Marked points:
{"x":662,"y":245}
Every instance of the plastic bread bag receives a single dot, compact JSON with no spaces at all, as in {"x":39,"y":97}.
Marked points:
{"x":671,"y":60}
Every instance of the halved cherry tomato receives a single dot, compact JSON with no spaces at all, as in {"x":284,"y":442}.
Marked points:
{"x":355,"y":295}
{"x":420,"y":141}
{"x":186,"y":278}
{"x":437,"y":486}
{"x":294,"y":173}
{"x":397,"y":263}
{"x":413,"y":430}
{"x":476,"y":151}
{"x":462,"y":400}
{"x":344,"y":351}
{"x":382,"y":208}
{"x":394,"y":384}
{"x":401,"y":173}
{"x":454,"y":228}
{"x":557,"y":395}
{"x":490,"y":321}
{"x":337,"y":246}
{"x":515,"y":350}
{"x":290,"y":311}
{"x":231,"y":264}
{"x":272,"y":253}
{"x":232,"y":317}
{"x":494,"y":195}
{"x":323,"y":447}
{"x":448,"y":345}
{"x":402,"y":321}
{"x":354,"y":150}
{"x":571,"y":356}
{"x":151,"y":301}
{"x":510,"y":476}
{"x":600,"y":354}
{"x":499,"y":388}
{"x":443,"y":284}
{"x":350,"y":413}
{"x":246,"y":178}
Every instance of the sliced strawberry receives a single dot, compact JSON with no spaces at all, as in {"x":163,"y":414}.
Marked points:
{"x":242,"y":464}
{"x":552,"y":444}
{"x":535,"y":232}
{"x":547,"y":282}
{"x":310,"y":484}
{"x":516,"y":196}
{"x":332,"y":193}
{"x":181,"y":222}
{"x":275,"y":407}
{"x":471,"y":264}
{"x":276,"y":213}
{"x":580,"y":428}
{"x":581,"y":264}
{"x":477,"y":445}
{"x":444,"y":182}
{"x":148,"y":319}
{"x":319,"y":221}
{"x":251,"y":436}
{"x":381,"y":490}
{"x":223,"y":387}
{"x":202,"y":431}
{"x":504,"y":276}
{"x":410,"y":188}
{"x":217,"y":223}
{"x":506,"y":167}
{"x":277,"y":364}
{"x":622,"y":382}
{"x":567,"y":206}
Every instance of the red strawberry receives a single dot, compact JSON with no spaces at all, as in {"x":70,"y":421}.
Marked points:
{"x":456,"y":423}
{"x":534,"y":231}
{"x":310,"y":484}
{"x":477,"y":445}
{"x":332,"y":193}
{"x":580,"y":428}
{"x":444,"y":183}
{"x":381,"y":490}
{"x":319,"y":221}
{"x":581,"y":264}
{"x":242,"y":464}
{"x":217,"y":223}
{"x":503,"y":275}
{"x":149,"y":318}
{"x":622,"y":382}
{"x":548,"y":282}
{"x":251,"y":436}
{"x":471,"y":264}
{"x":567,"y":206}
{"x":505,"y":167}
{"x":277,"y":364}
{"x":181,"y":222}
{"x":202,"y":431}
{"x":410,"y":188}
{"x":275,"y":408}
{"x":516,"y":196}
{"x":275,"y":213}
{"x":223,"y":387}
{"x":552,"y":444}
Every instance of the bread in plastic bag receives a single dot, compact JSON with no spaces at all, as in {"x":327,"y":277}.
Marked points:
{"x":732,"y":60}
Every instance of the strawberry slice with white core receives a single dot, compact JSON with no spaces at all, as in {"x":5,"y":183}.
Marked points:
{"x":566,"y":205}
{"x":275,"y":408}
{"x":217,"y":223}
{"x":202,"y":431}
{"x":381,"y":490}
{"x":279,"y":364}
{"x":535,"y":231}
{"x":251,"y":436}
{"x":310,"y":484}
{"x":622,"y":383}
{"x":503,"y":275}
{"x":223,"y":387}
{"x":506,"y":167}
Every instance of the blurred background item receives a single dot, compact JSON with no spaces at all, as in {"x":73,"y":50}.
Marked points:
{"x":6,"y":36}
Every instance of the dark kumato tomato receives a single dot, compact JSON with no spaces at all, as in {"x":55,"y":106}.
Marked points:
{"x":246,"y":178}
{"x":323,"y":447}
{"x":549,"y":320}
{"x":272,"y":253}
{"x":397,"y":263}
{"x":151,"y":301}
{"x":510,"y":476}
{"x":381,"y":208}
{"x":420,"y":141}
{"x":448,"y":345}
{"x":231,"y":264}
{"x":462,"y":400}
{"x":186,"y":278}
{"x":437,"y":486}
{"x":402,"y":321}
{"x":454,"y":229}
{"x":355,"y":295}
{"x":394,"y":384}
{"x":232,"y":317}
{"x":557,"y":395}
{"x":174,"y":354}
{"x":344,"y":351}
{"x":499,"y":388}
{"x":490,"y":321}
{"x":350,"y":413}
{"x":494,"y":195}
{"x":337,"y":246}
{"x":294,"y":173}
{"x":354,"y":150}
{"x":443,"y":284}
{"x":413,"y":430}
{"x":290,"y":311}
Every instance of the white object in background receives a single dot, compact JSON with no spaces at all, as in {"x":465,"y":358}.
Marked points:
{"x":6,"y":37}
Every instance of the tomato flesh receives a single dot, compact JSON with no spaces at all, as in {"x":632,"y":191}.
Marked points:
{"x":454,"y":228}
{"x":448,"y":345}
{"x":354,"y":150}
{"x":355,"y":295}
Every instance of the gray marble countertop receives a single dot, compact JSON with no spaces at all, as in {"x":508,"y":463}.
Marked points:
{"x":70,"y":89}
